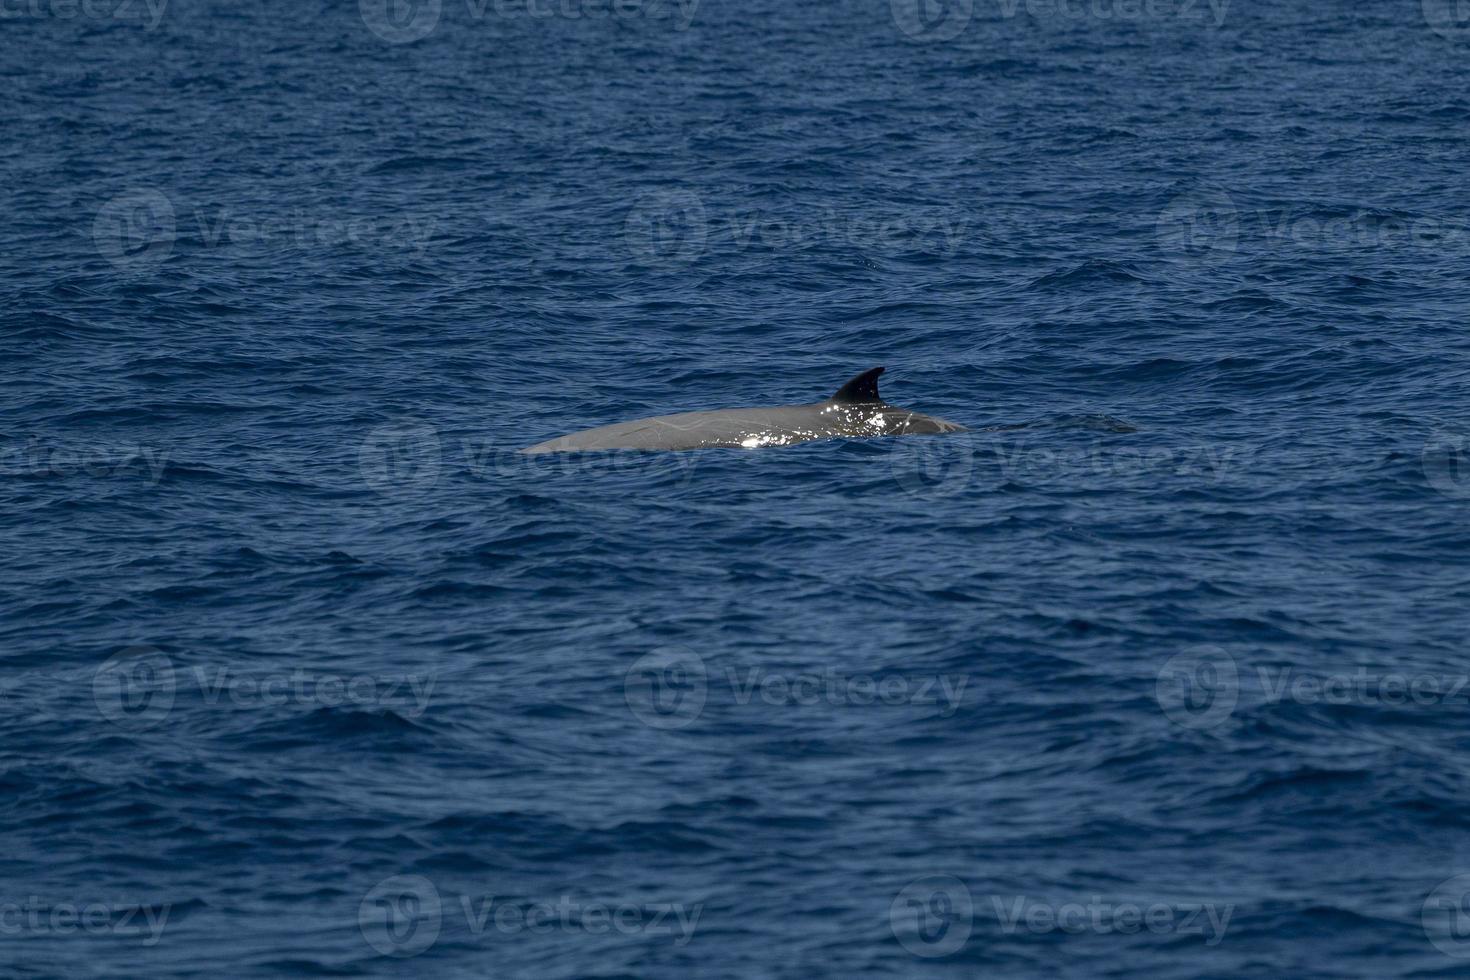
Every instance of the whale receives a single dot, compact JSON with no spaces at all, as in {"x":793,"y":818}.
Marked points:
{"x":856,"y":411}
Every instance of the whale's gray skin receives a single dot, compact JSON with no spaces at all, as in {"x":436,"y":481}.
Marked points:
{"x":856,"y":411}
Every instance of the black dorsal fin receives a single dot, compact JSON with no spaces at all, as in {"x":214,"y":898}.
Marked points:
{"x":863,"y":388}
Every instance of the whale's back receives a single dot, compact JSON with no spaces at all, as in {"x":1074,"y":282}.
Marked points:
{"x":743,"y":428}
{"x":856,"y":411}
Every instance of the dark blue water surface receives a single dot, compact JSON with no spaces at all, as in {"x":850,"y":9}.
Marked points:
{"x":1156,"y":672}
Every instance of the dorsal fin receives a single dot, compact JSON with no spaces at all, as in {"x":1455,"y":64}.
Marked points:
{"x":863,"y":388}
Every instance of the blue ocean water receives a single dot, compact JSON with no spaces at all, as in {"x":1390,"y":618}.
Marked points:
{"x":1159,"y":670}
